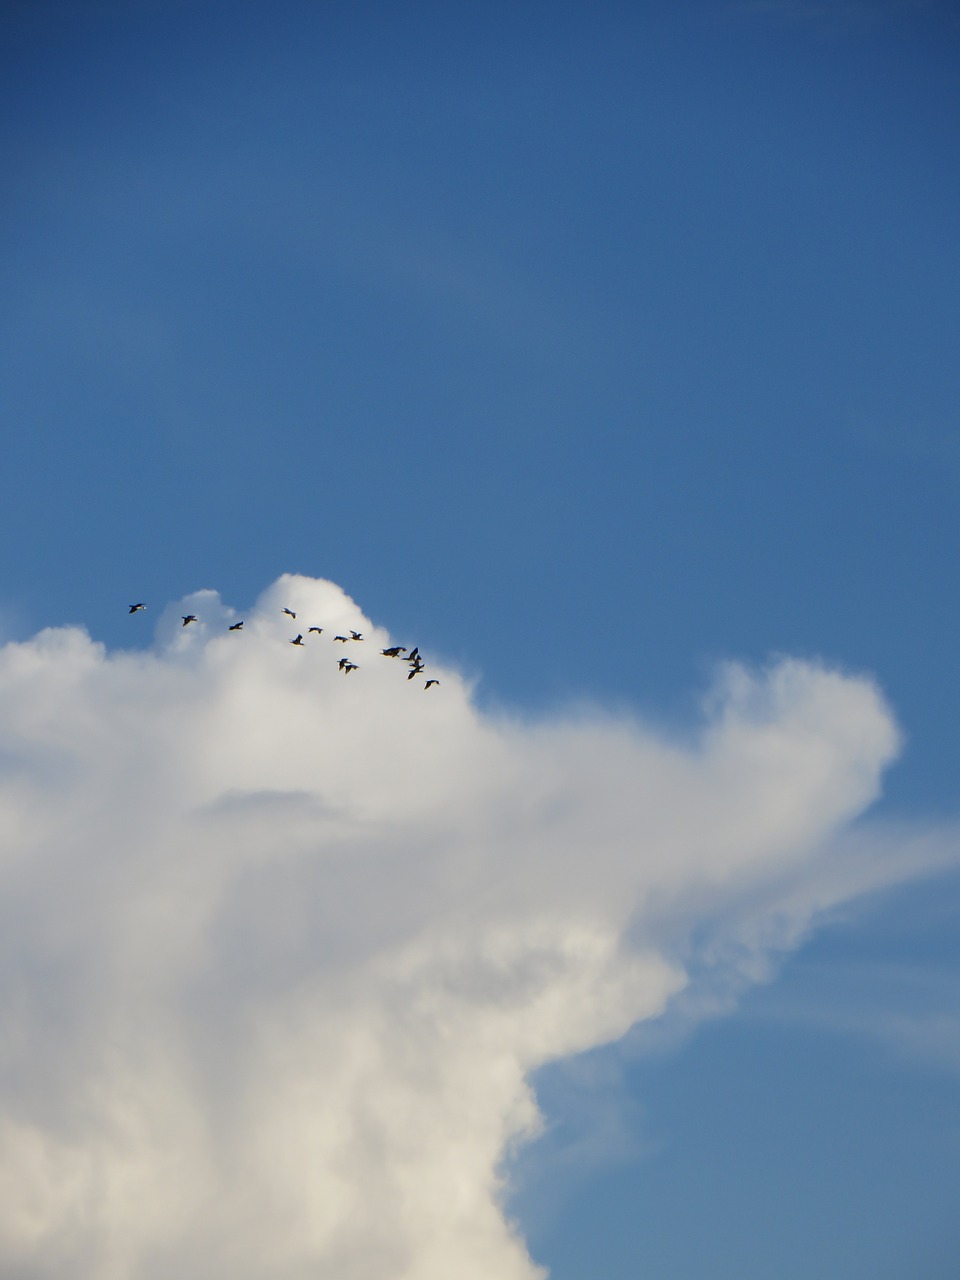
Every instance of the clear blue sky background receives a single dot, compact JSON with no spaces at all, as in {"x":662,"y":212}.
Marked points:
{"x":530,"y":323}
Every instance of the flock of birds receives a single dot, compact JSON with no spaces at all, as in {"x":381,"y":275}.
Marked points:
{"x":412,"y":656}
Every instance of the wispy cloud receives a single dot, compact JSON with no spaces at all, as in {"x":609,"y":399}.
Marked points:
{"x":909,"y":1009}
{"x":280,"y":949}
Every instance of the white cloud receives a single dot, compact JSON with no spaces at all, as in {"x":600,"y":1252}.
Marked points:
{"x":280,"y":948}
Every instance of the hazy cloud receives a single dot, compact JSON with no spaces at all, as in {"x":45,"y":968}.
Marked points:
{"x":280,"y":949}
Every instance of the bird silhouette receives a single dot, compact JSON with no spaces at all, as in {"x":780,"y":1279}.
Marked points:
{"x":431,"y":682}
{"x":415,"y":671}
{"x":343,"y":638}
{"x":289,"y":612}
{"x":188,"y":618}
{"x":356,"y":635}
{"x":414,"y":657}
{"x":299,"y":640}
{"x":347,"y":667}
{"x":135,"y":608}
{"x":318,"y":630}
{"x":237,"y":626}
{"x":394,"y":652}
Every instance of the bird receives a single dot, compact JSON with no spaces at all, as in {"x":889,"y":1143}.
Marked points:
{"x":347,"y":667}
{"x":343,"y":638}
{"x":188,"y":618}
{"x":299,"y":640}
{"x":430,"y":682}
{"x":318,"y":630}
{"x":237,"y":626}
{"x":394,"y":652}
{"x":289,"y":612}
{"x":415,"y":671}
{"x":135,"y":608}
{"x":414,"y":657}
{"x":356,"y":635}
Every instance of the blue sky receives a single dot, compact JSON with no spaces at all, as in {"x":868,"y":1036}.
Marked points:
{"x":595,"y":345}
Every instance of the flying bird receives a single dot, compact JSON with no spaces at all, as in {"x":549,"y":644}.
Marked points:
{"x":188,"y":618}
{"x":289,"y":612}
{"x":135,"y":608}
{"x":318,"y":630}
{"x":414,"y":657}
{"x":356,"y":635}
{"x":237,"y":626}
{"x":299,"y":641}
{"x":343,"y":638}
{"x":347,"y":667}
{"x":430,"y":682}
{"x":394,"y":652}
{"x":415,"y":671}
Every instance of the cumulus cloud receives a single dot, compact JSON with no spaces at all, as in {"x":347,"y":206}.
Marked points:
{"x":281,"y":948}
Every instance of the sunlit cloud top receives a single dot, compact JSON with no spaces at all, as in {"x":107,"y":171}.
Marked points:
{"x":281,"y":945}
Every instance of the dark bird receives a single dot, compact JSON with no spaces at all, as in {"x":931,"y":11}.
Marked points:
{"x":430,"y":682}
{"x":415,"y":671}
{"x":347,"y":667}
{"x":414,"y":656}
{"x":289,"y":612}
{"x":318,"y":630}
{"x":356,"y":635}
{"x":343,"y":638}
{"x":237,"y":626}
{"x":135,"y":608}
{"x":299,"y":640}
{"x":188,"y":618}
{"x":394,"y":652}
